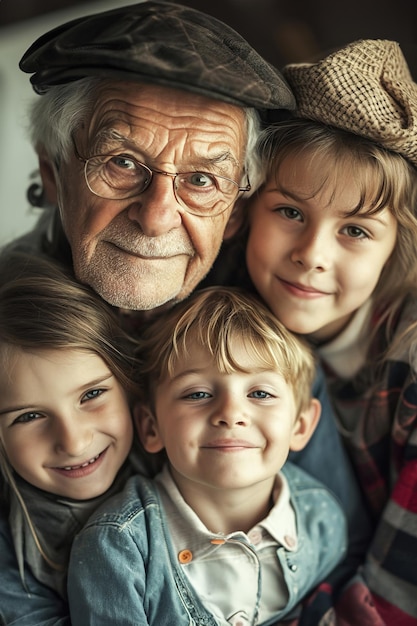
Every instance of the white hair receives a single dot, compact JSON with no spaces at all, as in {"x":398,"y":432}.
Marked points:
{"x":55,"y":116}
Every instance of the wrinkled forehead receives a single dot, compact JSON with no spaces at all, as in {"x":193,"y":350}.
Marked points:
{"x":153,"y":117}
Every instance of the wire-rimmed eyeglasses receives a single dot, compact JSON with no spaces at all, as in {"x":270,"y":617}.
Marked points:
{"x":119,"y":177}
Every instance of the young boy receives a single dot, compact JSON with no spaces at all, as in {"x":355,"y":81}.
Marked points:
{"x":224,"y":534}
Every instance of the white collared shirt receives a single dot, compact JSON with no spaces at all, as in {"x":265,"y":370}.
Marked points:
{"x":230,"y":572}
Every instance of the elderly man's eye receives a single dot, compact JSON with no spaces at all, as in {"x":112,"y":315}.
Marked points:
{"x":122,"y":162}
{"x":200,"y":179}
{"x":121,"y":170}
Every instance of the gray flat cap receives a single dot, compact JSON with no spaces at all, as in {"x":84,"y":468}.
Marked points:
{"x":158,"y":42}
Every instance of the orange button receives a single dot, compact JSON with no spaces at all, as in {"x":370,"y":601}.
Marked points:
{"x":185,"y":556}
{"x":217,"y":542}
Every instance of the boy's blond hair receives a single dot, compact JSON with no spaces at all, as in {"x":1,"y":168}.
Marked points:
{"x":213,"y":318}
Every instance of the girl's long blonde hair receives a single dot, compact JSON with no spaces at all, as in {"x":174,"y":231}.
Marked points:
{"x":43,"y":307}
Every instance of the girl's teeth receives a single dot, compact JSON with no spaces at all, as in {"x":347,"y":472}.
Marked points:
{"x":75,"y":467}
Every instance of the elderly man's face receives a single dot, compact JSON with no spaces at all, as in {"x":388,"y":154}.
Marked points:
{"x":144,"y":251}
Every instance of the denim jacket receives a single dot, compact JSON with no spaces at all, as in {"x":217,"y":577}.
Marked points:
{"x":123,"y":570}
{"x":29,"y":604}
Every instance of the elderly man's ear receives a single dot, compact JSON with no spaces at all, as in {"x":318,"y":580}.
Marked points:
{"x":236,"y":219}
{"x":48,"y":175}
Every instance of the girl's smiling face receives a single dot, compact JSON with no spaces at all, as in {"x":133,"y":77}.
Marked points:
{"x":65,"y":421}
{"x":311,"y":260}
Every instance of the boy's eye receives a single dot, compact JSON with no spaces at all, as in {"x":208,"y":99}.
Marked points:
{"x":92,"y":394}
{"x":259,"y":394}
{"x":290,"y":213}
{"x":25,"y":418}
{"x":198,"y":395}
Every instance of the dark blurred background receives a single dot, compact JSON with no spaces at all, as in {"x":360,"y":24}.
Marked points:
{"x":282,"y":30}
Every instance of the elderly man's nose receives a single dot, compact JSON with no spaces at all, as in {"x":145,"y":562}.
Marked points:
{"x":156,"y":209}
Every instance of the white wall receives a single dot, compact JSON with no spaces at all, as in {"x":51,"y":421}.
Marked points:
{"x":17,"y":158}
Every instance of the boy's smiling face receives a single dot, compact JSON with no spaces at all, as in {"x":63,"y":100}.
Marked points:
{"x":313,"y":265}
{"x":224,"y":432}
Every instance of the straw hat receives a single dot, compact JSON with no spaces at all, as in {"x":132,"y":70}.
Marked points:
{"x":365,"y":88}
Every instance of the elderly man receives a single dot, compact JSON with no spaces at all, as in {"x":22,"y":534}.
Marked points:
{"x":145,"y":133}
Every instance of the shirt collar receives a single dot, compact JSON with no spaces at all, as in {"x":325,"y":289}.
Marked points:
{"x":186,"y":528}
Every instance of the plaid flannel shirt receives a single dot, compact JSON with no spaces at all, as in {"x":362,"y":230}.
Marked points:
{"x":383,"y":447}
